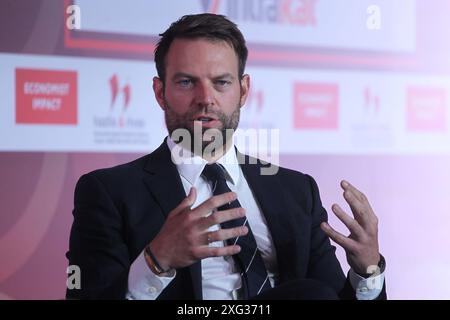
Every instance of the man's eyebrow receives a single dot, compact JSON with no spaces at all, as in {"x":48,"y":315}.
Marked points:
{"x":183,"y":75}
{"x":187,"y":75}
{"x":225,"y":75}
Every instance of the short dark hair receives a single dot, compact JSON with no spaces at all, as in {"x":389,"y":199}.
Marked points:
{"x":205,"y":25}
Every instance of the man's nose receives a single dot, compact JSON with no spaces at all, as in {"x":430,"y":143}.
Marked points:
{"x":204,"y":94}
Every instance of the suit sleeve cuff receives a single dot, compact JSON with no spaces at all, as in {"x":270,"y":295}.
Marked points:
{"x":143,"y":284}
{"x":366,"y":288}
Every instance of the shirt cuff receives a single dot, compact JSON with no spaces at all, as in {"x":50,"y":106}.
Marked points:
{"x":143,"y":284}
{"x":366,"y":288}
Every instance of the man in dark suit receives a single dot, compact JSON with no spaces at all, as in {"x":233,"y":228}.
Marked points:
{"x":196,"y":219}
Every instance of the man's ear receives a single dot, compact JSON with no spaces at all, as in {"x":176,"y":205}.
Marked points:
{"x":158,"y":89}
{"x":245,"y":88}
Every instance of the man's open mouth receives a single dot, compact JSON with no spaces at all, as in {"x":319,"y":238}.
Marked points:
{"x":204,"y":119}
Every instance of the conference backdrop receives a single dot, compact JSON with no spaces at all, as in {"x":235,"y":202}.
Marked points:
{"x":340,"y":89}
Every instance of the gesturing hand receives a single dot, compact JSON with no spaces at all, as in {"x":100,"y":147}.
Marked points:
{"x":361,"y":246}
{"x":184,"y":238}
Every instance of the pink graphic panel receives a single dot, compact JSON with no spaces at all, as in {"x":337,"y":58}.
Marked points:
{"x":426,"y":109}
{"x":316,"y":106}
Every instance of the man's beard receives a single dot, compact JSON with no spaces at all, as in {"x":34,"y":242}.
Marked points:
{"x":184,"y":121}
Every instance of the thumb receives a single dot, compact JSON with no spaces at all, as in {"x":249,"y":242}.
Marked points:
{"x":187,"y":202}
{"x":192,"y":195}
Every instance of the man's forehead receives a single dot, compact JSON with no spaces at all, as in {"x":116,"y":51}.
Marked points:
{"x":199,"y":48}
{"x":190,"y":55}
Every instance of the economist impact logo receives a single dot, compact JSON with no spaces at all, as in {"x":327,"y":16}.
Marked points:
{"x":426,"y":109}
{"x":46,"y":97}
{"x":315,"y":106}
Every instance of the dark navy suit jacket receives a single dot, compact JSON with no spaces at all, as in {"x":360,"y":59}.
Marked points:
{"x":118,"y":211}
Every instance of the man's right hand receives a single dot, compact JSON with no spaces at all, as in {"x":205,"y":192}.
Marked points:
{"x":184,"y":238}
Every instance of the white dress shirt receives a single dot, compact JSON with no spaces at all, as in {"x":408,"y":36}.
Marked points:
{"x":220,"y":277}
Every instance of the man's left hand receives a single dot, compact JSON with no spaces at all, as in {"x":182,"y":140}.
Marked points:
{"x":361,"y":246}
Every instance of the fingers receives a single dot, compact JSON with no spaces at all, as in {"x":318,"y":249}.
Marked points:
{"x":207,"y":251}
{"x":221,"y":216}
{"x":204,"y":250}
{"x":353,"y":197}
{"x":359,"y":205}
{"x":361,"y":246}
{"x":191,"y":197}
{"x":223,"y":251}
{"x":345,"y":242}
{"x":355,"y":204}
{"x":349,"y":187}
{"x":225,"y":234}
{"x":214,"y":203}
{"x":353,"y":225}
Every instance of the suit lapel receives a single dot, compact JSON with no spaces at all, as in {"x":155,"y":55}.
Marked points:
{"x":163,"y":180}
{"x":164,"y":183}
{"x":268,"y":193}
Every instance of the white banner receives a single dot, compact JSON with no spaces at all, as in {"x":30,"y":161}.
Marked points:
{"x":80,"y":104}
{"x":369,"y":25}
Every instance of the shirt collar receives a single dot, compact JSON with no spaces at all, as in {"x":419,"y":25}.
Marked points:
{"x":190,"y":165}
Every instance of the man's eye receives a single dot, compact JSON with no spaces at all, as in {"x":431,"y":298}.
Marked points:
{"x":185,"y":82}
{"x":223,"y":83}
